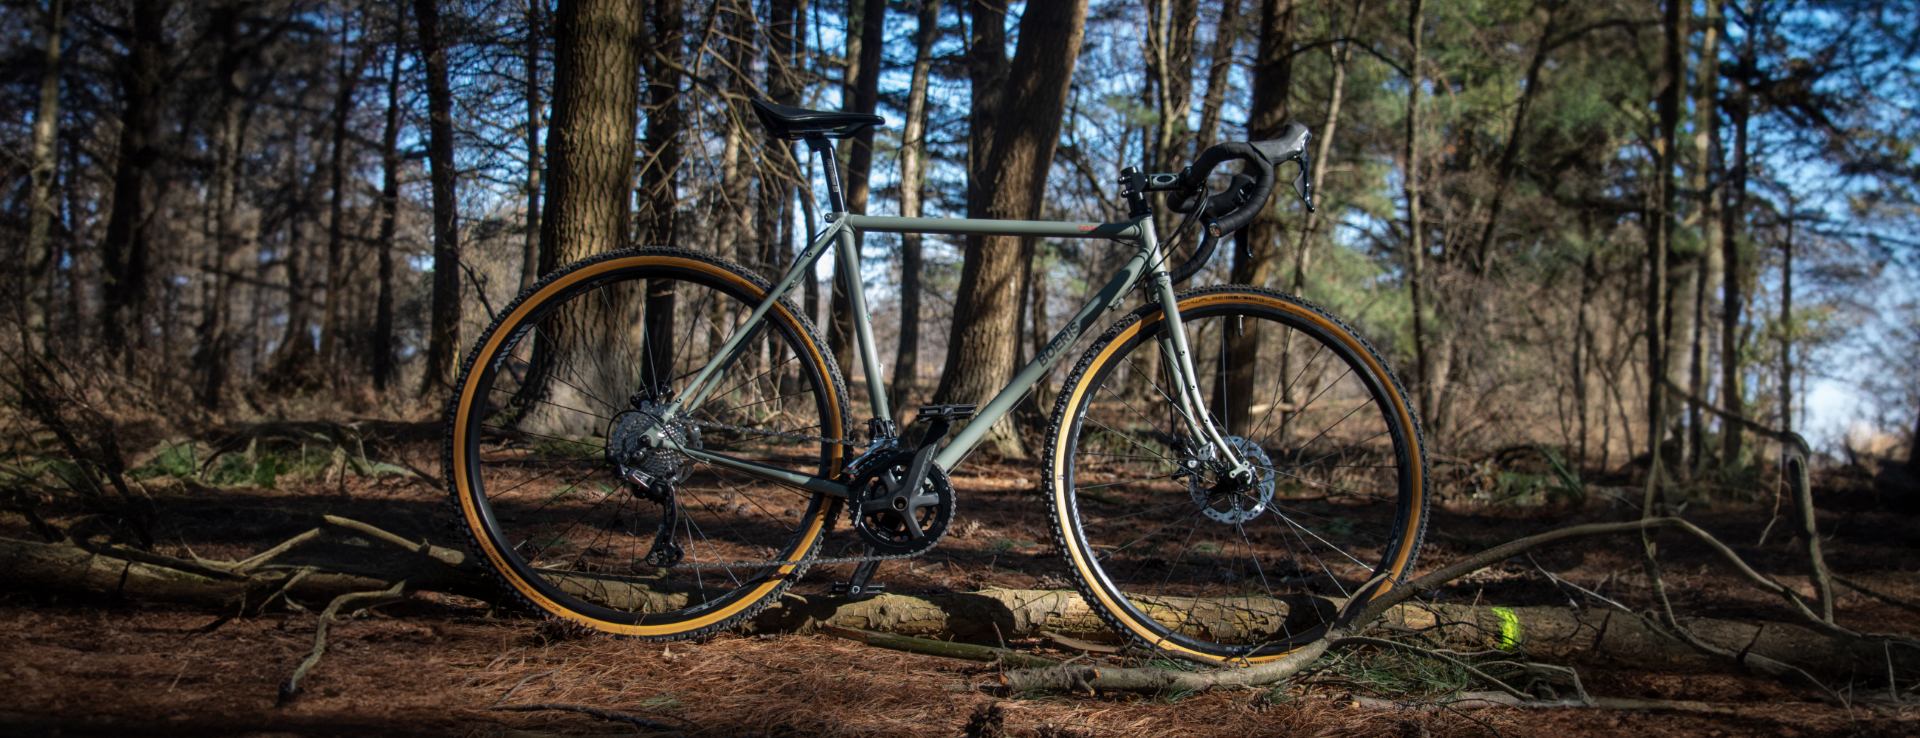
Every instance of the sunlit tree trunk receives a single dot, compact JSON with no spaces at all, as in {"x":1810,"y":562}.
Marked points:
{"x":36,"y":293}
{"x":1706,"y":145}
{"x":1226,"y":34}
{"x":861,"y":89}
{"x":906,"y":371}
{"x":1253,"y":255}
{"x":1416,"y":242}
{"x":985,"y":333}
{"x":1732,"y":397}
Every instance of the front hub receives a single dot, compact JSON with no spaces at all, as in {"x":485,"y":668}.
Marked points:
{"x":1235,"y":500}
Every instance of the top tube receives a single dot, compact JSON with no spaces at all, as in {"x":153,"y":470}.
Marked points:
{"x":972,"y":227}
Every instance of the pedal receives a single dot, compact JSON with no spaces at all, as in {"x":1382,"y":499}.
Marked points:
{"x":862,"y":585}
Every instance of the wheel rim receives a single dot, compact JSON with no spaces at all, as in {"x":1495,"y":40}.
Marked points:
{"x":1169,"y":552}
{"x":529,"y":457}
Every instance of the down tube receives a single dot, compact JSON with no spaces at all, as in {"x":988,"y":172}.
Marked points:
{"x":1037,"y":369}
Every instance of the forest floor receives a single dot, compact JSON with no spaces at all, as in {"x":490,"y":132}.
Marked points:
{"x":443,"y":665}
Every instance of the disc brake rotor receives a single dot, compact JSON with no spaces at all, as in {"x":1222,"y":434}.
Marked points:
{"x":1234,"y":504}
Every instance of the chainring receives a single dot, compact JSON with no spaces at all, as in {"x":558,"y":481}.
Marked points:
{"x":893,"y":520}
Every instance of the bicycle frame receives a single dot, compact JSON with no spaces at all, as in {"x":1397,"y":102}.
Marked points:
{"x":840,"y":231}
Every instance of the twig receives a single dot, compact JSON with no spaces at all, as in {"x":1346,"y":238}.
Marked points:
{"x":349,"y":603}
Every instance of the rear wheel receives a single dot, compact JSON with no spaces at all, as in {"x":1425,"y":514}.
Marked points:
{"x":641,"y":542}
{"x":1179,"y":556}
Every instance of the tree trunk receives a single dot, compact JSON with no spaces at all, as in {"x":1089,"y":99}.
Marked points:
{"x":906,"y":363}
{"x":1659,"y":239}
{"x":662,"y":41}
{"x":126,"y":250}
{"x":1340,"y":53}
{"x":861,"y":87}
{"x":662,"y":36}
{"x":1732,"y":397}
{"x":1254,"y":249}
{"x":36,"y":292}
{"x":530,"y":257}
{"x":213,"y":357}
{"x":1169,"y":54}
{"x":1226,"y":34}
{"x":443,"y":336}
{"x":1416,"y":246}
{"x":984,"y":337}
{"x":987,"y":69}
{"x":380,"y":344}
{"x":1786,"y":324}
{"x":336,"y":209}
{"x":1706,"y":144}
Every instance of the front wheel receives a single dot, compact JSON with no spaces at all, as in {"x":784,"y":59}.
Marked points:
{"x":1180,"y":557}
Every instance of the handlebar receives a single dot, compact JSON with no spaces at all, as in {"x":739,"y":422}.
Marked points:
{"x":1236,"y":207}
{"x":1261,"y":156}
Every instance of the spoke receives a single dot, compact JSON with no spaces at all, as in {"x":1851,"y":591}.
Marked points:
{"x":1281,"y":383}
{"x":1104,"y":521}
{"x":1126,"y":481}
{"x":1336,"y":424}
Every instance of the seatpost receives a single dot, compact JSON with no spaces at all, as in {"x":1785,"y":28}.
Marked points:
{"x":835,"y":198}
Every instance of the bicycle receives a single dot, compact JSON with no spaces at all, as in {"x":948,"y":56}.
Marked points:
{"x":654,"y":443}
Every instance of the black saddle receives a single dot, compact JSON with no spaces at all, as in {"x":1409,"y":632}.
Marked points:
{"x":794,"y":124}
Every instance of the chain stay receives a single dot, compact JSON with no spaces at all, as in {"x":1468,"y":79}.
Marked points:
{"x":811,"y":561}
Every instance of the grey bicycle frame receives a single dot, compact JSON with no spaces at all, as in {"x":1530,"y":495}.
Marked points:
{"x":840,"y":231}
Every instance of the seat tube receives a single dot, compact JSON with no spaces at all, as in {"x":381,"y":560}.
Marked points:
{"x":856,"y":287}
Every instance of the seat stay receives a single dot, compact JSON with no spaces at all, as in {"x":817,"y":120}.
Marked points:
{"x":697,"y":390}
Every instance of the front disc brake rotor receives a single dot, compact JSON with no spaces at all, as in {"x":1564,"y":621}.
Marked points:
{"x":1234,"y":504}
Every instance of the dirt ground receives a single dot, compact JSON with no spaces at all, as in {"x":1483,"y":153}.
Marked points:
{"x":442,"y":665}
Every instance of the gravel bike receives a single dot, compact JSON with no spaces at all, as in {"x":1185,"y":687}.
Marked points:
{"x":655,"y":442}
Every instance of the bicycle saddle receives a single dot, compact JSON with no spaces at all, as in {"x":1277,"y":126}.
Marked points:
{"x":794,"y":124}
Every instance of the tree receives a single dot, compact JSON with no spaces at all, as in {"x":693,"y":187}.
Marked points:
{"x":912,"y":143}
{"x":983,"y":341}
{"x":128,"y":245}
{"x":40,"y":209}
{"x":443,"y":338}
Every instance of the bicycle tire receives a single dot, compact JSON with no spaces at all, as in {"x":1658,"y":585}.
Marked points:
{"x":1131,"y":516}
{"x":540,"y":395}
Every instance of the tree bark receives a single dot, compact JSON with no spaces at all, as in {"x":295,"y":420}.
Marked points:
{"x":213,"y":357}
{"x":380,"y":344}
{"x":1226,"y":35}
{"x":906,"y":363}
{"x":985,"y":333}
{"x":1706,"y":145}
{"x":443,"y":336}
{"x":126,"y":251}
{"x":590,"y":141}
{"x":530,"y":258}
{"x":1732,"y":397}
{"x":860,"y":87}
{"x":36,"y":292}
{"x":1786,"y":323}
{"x":1659,"y":240}
{"x":663,"y":43}
{"x":662,"y":37}
{"x":1416,"y":245}
{"x":343,"y":105}
{"x":1255,"y":249}
{"x":1341,"y":53}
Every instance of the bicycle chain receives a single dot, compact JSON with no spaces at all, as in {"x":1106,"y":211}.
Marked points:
{"x":811,"y":561}
{"x":782,"y":434}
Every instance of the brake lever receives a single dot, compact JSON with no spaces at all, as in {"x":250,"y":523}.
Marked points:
{"x":1300,"y":183}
